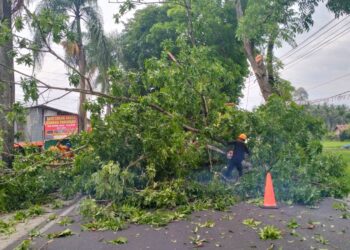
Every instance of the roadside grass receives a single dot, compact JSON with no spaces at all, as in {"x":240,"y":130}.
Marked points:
{"x":334,"y":147}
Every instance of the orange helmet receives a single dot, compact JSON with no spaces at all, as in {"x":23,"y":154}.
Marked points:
{"x":242,"y":137}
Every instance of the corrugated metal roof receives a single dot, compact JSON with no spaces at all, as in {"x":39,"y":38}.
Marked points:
{"x":51,"y":108}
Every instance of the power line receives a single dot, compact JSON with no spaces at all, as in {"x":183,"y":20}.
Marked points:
{"x":317,"y":38}
{"x":331,"y":98}
{"x":327,"y":37}
{"x":318,"y":48}
{"x":328,"y":82}
{"x":294,"y":50}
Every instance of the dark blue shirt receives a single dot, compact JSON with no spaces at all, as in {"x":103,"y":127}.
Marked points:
{"x":239,"y":150}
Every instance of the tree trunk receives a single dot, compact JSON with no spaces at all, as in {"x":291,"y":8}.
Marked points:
{"x":190,"y":31}
{"x":269,"y":61}
{"x":7,"y":89}
{"x":82,"y":70}
{"x":258,"y":67}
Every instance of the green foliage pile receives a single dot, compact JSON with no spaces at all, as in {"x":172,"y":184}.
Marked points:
{"x":286,"y":141}
{"x":157,"y":206}
{"x":30,"y":180}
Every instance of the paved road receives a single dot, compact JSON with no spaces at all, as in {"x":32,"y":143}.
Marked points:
{"x":228,"y":233}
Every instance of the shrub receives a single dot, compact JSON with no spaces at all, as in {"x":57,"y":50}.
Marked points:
{"x":345,"y":135}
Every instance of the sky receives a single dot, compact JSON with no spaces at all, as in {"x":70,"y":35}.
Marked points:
{"x":314,"y":72}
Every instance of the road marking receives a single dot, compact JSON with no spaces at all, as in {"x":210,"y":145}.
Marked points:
{"x":64,"y":213}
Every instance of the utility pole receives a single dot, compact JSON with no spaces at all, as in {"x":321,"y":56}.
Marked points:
{"x":7,"y":86}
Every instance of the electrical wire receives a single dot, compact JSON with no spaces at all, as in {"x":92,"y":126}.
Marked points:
{"x":328,"y":82}
{"x":330,"y":97}
{"x":318,"y":48}
{"x":294,"y":50}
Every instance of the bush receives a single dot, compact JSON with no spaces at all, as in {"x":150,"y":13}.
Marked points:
{"x":345,"y":135}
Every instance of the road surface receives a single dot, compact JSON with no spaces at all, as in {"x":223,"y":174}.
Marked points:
{"x":329,"y":231}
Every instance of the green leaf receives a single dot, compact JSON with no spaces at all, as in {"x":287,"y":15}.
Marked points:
{"x":270,"y":233}
{"x":341,"y":206}
{"x":35,"y":210}
{"x":74,"y":79}
{"x":18,"y":22}
{"x":66,"y":221}
{"x":118,"y":241}
{"x":250,"y":222}
{"x":319,"y":238}
{"x":292,"y":224}
{"x":6,"y":228}
{"x":30,"y":89}
{"x":208,"y":224}
{"x":34,"y":233}
{"x":25,"y":245}
{"x":52,"y":217}
{"x":61,"y":234}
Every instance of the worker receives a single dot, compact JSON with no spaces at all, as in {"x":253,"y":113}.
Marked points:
{"x":65,"y":150}
{"x":236,"y":155}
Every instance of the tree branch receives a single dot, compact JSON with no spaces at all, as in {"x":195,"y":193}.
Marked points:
{"x":131,"y":164}
{"x":52,"y":52}
{"x":100,"y":94}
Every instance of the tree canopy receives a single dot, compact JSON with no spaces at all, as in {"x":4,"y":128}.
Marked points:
{"x":213,"y":25}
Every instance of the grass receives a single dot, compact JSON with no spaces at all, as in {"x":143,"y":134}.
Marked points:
{"x":335,"y":148}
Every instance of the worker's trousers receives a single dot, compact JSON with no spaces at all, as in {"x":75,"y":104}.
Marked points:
{"x":234,"y":163}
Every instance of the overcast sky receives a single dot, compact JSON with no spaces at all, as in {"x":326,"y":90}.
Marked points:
{"x":324,"y":65}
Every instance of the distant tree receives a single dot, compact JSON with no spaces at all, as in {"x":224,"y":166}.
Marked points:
{"x":300,"y":95}
{"x":332,"y":115}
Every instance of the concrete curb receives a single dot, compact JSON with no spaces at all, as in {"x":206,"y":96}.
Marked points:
{"x":22,"y":229}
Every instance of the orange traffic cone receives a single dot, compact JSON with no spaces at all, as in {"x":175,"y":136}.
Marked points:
{"x":269,"y":196}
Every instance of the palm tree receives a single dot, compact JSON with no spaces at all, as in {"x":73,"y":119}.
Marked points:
{"x":86,"y":23}
{"x":101,"y":63}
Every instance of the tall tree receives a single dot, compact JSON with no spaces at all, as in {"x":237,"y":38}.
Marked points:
{"x":7,"y":90}
{"x":198,"y":22}
{"x":85,"y":25}
{"x":264,"y":24}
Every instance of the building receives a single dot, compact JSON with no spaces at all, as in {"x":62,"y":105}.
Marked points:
{"x":34,"y":128}
{"x":341,"y":128}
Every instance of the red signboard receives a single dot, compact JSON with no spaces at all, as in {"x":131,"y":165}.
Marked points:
{"x":61,"y":126}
